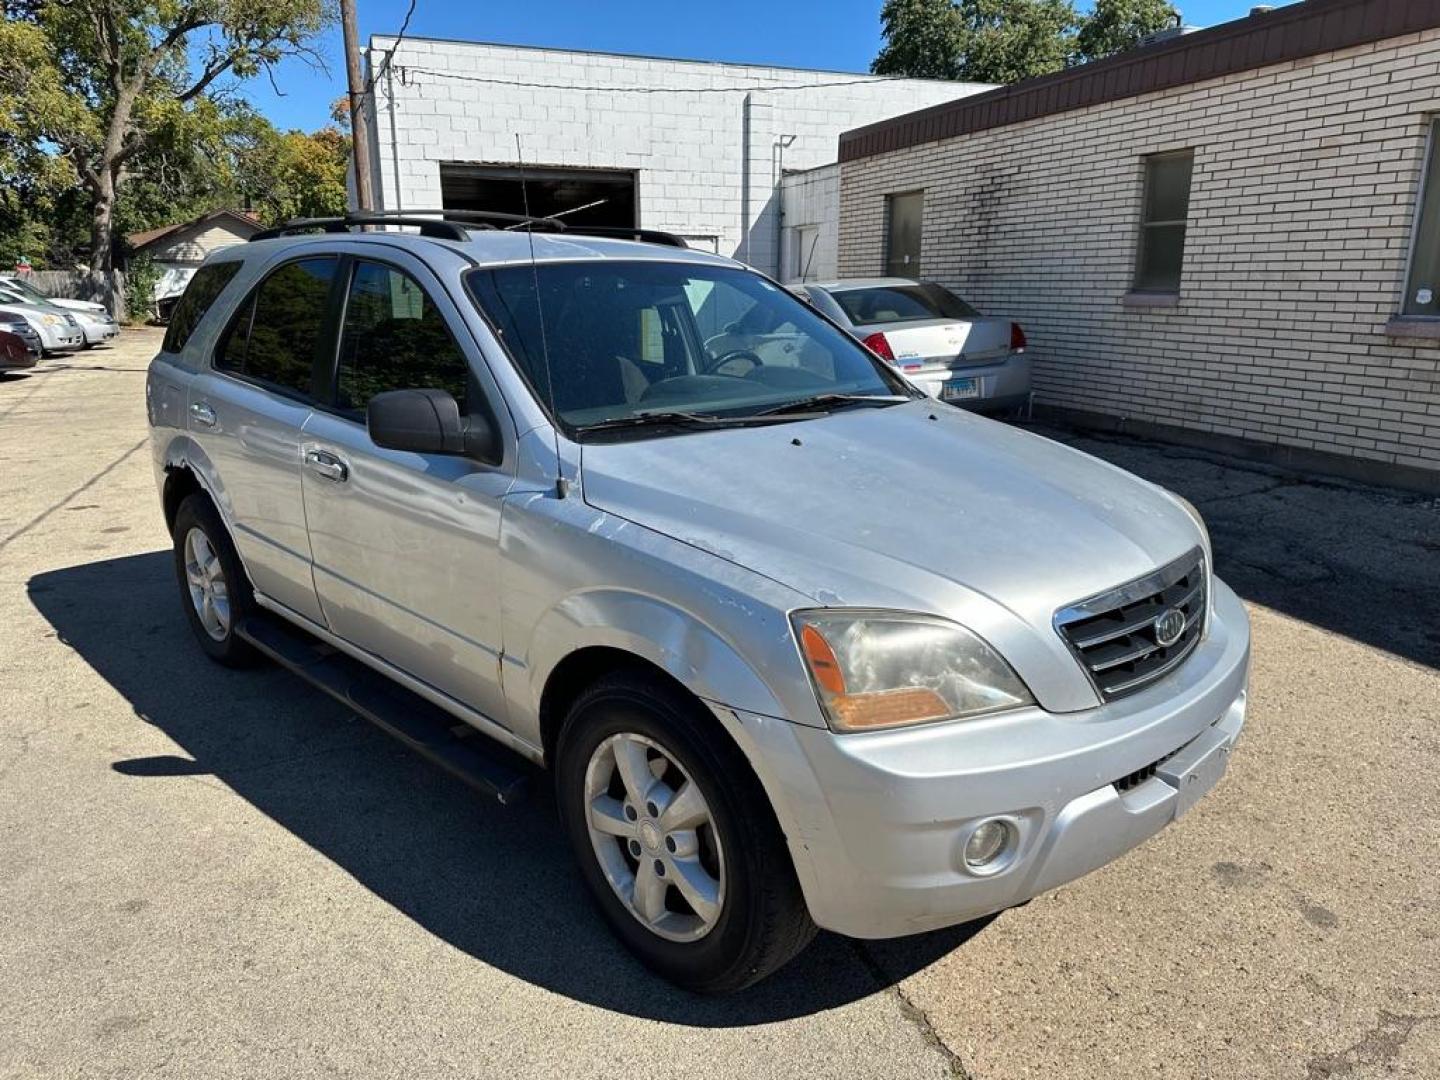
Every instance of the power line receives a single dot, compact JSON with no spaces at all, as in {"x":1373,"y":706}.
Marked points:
{"x":870,"y":80}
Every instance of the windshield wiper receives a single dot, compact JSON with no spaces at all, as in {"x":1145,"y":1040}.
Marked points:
{"x":681,"y":419}
{"x":828,"y":401}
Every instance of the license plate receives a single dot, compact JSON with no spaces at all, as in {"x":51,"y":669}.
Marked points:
{"x":960,"y":389}
{"x":1197,"y":768}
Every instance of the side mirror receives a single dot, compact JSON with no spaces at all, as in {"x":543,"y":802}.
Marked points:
{"x":429,"y":422}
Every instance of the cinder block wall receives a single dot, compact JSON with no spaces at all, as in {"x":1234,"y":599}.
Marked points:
{"x":1302,"y":205}
{"x":706,"y":162}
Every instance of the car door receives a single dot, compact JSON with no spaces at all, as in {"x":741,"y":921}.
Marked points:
{"x":247,"y":410}
{"x":406,"y":544}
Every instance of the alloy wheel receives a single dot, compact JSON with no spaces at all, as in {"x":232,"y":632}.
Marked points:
{"x":205,"y":577}
{"x":655,"y":837}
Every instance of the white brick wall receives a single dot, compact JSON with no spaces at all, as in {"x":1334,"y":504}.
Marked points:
{"x":810,"y":200}
{"x":1301,"y":209}
{"x":706,"y":162}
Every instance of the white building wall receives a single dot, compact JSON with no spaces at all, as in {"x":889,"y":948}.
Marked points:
{"x":810,"y":233}
{"x":707,"y":160}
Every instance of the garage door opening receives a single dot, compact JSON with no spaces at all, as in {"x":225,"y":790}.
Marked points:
{"x":577,"y":196}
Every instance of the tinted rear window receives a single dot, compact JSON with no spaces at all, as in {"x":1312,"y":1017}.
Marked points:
{"x":902,"y":303}
{"x":207,"y":284}
{"x":276,"y":333}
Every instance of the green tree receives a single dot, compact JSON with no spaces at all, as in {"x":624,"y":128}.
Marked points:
{"x":282,"y":175}
{"x":108,"y":82}
{"x":999,"y":41}
{"x":1116,"y":25}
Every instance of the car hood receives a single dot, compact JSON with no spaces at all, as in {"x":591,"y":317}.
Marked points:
{"x":86,"y":307}
{"x":919,"y":506}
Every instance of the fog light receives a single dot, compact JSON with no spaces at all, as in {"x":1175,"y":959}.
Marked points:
{"x":989,"y":847}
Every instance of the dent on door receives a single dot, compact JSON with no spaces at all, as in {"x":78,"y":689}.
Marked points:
{"x":406,"y":549}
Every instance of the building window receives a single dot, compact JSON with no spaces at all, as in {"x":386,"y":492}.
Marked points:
{"x":1422,"y":288}
{"x":902,"y":234}
{"x":1162,"y":228}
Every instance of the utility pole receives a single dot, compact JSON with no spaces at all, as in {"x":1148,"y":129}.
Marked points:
{"x":359,"y":125}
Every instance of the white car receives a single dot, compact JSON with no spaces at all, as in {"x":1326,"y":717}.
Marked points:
{"x":59,"y":330}
{"x":96,"y":323}
{"x":937,"y":340}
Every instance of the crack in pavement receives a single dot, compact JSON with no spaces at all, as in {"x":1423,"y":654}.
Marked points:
{"x":38,"y":518}
{"x":913,"y":1013}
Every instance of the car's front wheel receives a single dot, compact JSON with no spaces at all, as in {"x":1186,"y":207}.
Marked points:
{"x":676,"y":838}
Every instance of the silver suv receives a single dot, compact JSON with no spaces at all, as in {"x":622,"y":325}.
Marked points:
{"x":799,"y":645}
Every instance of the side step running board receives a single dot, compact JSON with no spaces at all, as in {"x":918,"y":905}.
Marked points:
{"x":425,"y":728}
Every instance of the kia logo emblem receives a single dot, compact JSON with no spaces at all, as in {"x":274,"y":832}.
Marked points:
{"x":1169,"y":627}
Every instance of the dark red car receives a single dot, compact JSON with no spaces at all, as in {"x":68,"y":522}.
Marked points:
{"x":15,"y":352}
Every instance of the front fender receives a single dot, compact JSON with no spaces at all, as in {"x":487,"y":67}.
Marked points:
{"x":667,"y":636}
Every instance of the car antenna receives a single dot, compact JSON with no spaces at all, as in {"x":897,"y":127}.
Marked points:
{"x":562,"y":486}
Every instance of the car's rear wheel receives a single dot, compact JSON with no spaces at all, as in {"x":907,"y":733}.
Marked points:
{"x":214,"y":590}
{"x":676,"y":838}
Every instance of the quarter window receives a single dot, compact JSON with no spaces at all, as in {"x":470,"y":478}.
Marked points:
{"x":1162,"y":227}
{"x":395,"y":338}
{"x":202,"y":291}
{"x":903,"y":214}
{"x":1422,"y":290}
{"x":274,"y":337}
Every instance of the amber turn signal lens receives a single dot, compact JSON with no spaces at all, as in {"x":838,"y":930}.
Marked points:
{"x":889,"y":708}
{"x":821,"y":659}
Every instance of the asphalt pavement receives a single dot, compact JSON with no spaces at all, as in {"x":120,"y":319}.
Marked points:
{"x":207,"y":873}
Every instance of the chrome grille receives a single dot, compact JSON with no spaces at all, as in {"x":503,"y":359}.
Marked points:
{"x":1117,"y":635}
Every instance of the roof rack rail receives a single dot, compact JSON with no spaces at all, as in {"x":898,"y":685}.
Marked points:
{"x":644,"y":236}
{"x":437,"y":224}
{"x":449,"y":225}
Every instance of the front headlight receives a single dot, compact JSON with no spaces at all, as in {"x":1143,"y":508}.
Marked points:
{"x":879,"y":669}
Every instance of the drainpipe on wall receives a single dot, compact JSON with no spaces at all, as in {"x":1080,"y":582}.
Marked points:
{"x":744,"y":251}
{"x":777,"y":184}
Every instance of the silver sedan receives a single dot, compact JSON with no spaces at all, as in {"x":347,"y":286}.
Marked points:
{"x":940,"y":343}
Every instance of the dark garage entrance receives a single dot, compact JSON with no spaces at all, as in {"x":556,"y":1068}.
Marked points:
{"x":578,"y":196}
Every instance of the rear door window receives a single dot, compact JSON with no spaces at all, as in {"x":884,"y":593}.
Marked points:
{"x":204,"y":288}
{"x":902,"y":303}
{"x":274,"y":337}
{"x":395,"y":338}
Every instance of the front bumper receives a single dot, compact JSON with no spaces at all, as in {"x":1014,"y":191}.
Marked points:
{"x":876,"y":823}
{"x":97,"y":332}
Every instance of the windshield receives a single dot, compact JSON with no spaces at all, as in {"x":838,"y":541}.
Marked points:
{"x":630,"y":340}
{"x":880,"y":304}
{"x":24,"y":291}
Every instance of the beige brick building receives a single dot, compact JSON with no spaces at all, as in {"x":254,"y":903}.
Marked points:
{"x":1301,"y":322}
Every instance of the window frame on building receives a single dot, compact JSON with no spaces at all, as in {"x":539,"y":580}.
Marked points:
{"x":1425,"y":235}
{"x":907,"y":269}
{"x":1144,"y":279}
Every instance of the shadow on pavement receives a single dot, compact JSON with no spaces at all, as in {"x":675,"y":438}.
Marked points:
{"x":494,"y":882}
{"x":1360,"y":561}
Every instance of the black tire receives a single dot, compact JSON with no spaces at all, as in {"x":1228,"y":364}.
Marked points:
{"x":196,"y":511}
{"x":763,"y":921}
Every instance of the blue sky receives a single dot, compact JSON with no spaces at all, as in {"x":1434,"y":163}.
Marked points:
{"x":837,"y":34}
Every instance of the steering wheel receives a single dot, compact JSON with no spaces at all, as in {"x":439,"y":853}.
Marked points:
{"x":713,"y":367}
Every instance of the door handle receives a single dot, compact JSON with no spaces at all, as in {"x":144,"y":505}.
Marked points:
{"x":202,"y":414}
{"x":325,"y":464}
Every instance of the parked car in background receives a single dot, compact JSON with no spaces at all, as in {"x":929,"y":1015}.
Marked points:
{"x":97,"y":324}
{"x":801,"y":647}
{"x":940,"y":343}
{"x":15,"y":353}
{"x":16,"y":326}
{"x":58,"y":330}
